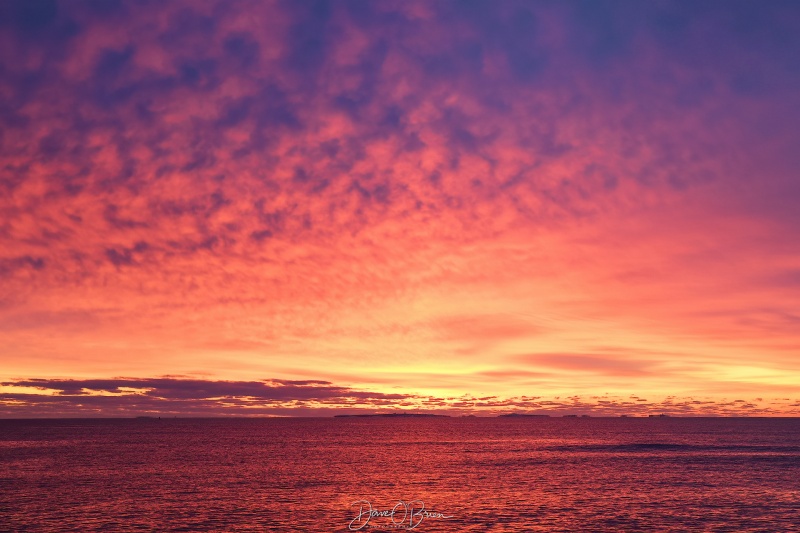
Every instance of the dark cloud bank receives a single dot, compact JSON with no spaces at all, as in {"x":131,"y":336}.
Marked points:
{"x":197,"y":397}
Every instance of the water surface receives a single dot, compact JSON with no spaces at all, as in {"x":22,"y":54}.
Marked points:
{"x":486,"y":474}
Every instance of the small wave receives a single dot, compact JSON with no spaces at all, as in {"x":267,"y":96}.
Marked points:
{"x":675,"y":447}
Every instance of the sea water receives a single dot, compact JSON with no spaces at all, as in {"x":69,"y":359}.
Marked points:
{"x":393,"y":474}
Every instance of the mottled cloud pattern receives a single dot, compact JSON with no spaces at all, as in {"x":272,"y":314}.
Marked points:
{"x":424,"y":199}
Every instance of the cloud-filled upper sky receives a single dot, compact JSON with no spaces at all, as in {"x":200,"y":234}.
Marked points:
{"x":308,"y":207}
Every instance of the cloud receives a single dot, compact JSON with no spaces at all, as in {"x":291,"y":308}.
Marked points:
{"x":170,"y":388}
{"x":127,"y":395}
{"x":593,"y":363}
{"x":348,"y":185}
{"x":479,"y":333}
{"x":198,"y":397}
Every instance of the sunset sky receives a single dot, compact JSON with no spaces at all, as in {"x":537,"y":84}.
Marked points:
{"x":334,"y":207}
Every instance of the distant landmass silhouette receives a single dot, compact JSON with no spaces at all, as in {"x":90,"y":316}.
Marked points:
{"x":394,"y":415}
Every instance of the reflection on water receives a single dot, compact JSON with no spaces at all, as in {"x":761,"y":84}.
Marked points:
{"x":488,"y":474}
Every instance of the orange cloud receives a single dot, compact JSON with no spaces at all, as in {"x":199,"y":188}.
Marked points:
{"x":402,"y":197}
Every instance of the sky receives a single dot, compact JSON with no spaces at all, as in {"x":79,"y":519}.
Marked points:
{"x":313,"y":208}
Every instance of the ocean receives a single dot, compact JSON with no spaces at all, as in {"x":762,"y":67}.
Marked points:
{"x":394,"y":474}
